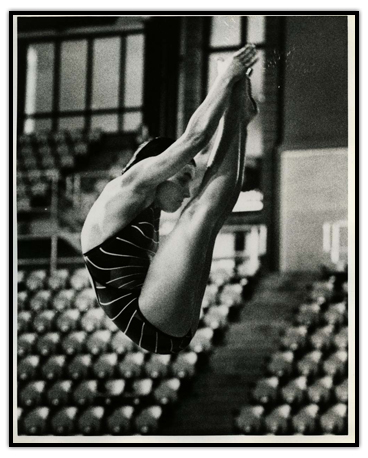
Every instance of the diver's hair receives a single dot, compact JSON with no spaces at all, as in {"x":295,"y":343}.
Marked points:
{"x":151,"y":148}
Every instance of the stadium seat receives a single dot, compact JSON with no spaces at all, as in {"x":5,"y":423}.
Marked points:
{"x":79,"y":280}
{"x":157,"y":366}
{"x":210,"y":295}
{"x":250,"y":420}
{"x":31,"y":395}
{"x":232,"y":295}
{"x":148,"y":420}
{"x":141,"y":390}
{"x":132,"y":366}
{"x":320,"y":391}
{"x":44,"y":322}
{"x":167,"y":391}
{"x":68,"y":321}
{"x":24,"y":321}
{"x":336,"y":363}
{"x":92,"y":320}
{"x":322,"y":337}
{"x":22,"y":300}
{"x":217,"y":317}
{"x":36,"y":421}
{"x":58,"y":279}
{"x":48,"y":344}
{"x":85,"y":393}
{"x":336,"y":314}
{"x":53,"y":368}
{"x":310,"y":364}
{"x":26,"y":343}
{"x":90,"y":421}
{"x":40,"y":301}
{"x":74,"y":342}
{"x":108,"y":324}
{"x":308,"y":314}
{"x":59,"y":394}
{"x":36,"y":280}
{"x":63,"y":300}
{"x":121,"y":344}
{"x":114,"y":389}
{"x":105,"y":366}
{"x":294,"y":338}
{"x":306,"y":420}
{"x":278,"y":421}
{"x":341,"y":339}
{"x":281,"y":363}
{"x":120,"y":421}
{"x":202,"y":341}
{"x":28,"y":367}
{"x":294,"y":392}
{"x":184,"y":366}
{"x":98,"y":342}
{"x":79,"y":367}
{"x":63,"y":423}
{"x":334,"y":420}
{"x":85,"y":299}
{"x":266,"y":391}
{"x":342,"y":391}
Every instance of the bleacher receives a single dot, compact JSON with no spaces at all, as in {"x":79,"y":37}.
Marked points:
{"x":78,"y":374}
{"x":304,"y":390}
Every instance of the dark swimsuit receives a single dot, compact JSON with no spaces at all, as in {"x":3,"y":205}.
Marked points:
{"x":118,"y":268}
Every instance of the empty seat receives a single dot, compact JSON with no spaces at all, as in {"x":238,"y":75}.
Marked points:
{"x":250,"y":419}
{"x":63,"y":300}
{"x":167,"y":392}
{"x":79,"y":367}
{"x":79,"y":280}
{"x":36,"y":280}
{"x":342,"y":391}
{"x":28,"y":367}
{"x":336,"y":364}
{"x":58,"y":279}
{"x":336,"y":313}
{"x":32,"y":394}
{"x":85,"y":393}
{"x":231,"y":295}
{"x":21,"y":279}
{"x":74,"y":342}
{"x":202,"y":341}
{"x":105,"y":366}
{"x":121,"y":344}
{"x":120,"y":421}
{"x":114,"y":389}
{"x":24,"y":321}
{"x":85,"y":299}
{"x":132,"y":365}
{"x":266,"y":390}
{"x":59,"y":394}
{"x":306,"y":420}
{"x":90,"y":421}
{"x":141,"y":390}
{"x":44,"y":321}
{"x":26,"y":343}
{"x":108,"y":324}
{"x":220,"y":276}
{"x":185,"y":365}
{"x":48,"y":344}
{"x":278,"y":421}
{"x":40,"y":301}
{"x":294,"y":338}
{"x":92,"y":320}
{"x":54,"y":367}
{"x":341,"y":339}
{"x":98,"y":342}
{"x":320,"y":391}
{"x":68,"y":321}
{"x":158,"y":366}
{"x":64,"y":421}
{"x":36,"y":421}
{"x":322,"y":337}
{"x":308,"y":314}
{"x":22,"y":300}
{"x":294,"y":392}
{"x":334,"y":420}
{"x":310,"y":364}
{"x":217,"y":317}
{"x":148,"y":420}
{"x":281,"y":363}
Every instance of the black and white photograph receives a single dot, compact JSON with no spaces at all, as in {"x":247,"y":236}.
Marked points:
{"x":184,"y":223}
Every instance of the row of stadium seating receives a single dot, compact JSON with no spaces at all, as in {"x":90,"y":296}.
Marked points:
{"x":78,"y":375}
{"x":305,"y":387}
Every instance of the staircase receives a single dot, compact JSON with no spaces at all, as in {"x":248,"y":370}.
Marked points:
{"x":222,"y":386}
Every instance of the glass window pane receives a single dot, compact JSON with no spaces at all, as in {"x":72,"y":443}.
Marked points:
{"x":73,"y":75}
{"x":256,"y":30}
{"x":132,"y":122}
{"x":225,"y":31}
{"x":107,"y":123}
{"x":212,"y":70}
{"x":71,"y":123}
{"x":133,"y":96}
{"x":39,"y":82}
{"x":106,"y":72}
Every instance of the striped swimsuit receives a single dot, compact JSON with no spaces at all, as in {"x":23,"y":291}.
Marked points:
{"x":118,"y":268}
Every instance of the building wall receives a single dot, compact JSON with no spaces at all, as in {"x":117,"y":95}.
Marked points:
{"x":313,"y":158}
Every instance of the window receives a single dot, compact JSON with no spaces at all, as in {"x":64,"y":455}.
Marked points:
{"x":93,"y":82}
